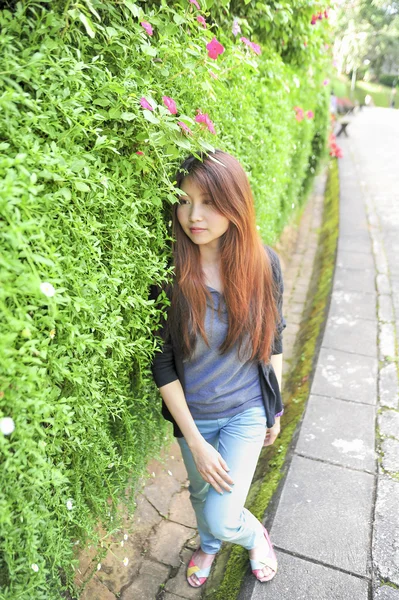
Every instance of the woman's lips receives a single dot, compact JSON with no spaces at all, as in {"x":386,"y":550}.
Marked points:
{"x":196,"y":230}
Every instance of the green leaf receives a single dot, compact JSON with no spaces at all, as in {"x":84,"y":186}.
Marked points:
{"x":178,"y":19}
{"x":134,"y":9}
{"x":88,"y":25}
{"x":101,"y":101}
{"x":82,"y":187}
{"x":150,"y":117}
{"x":129,"y":116}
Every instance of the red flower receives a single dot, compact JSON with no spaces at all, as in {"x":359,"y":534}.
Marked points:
{"x":170,"y":104}
{"x":202,"y":21}
{"x":204,"y":118}
{"x":145,"y":104}
{"x":195,"y":4}
{"x":147,"y":27}
{"x":185,"y":128}
{"x":140,"y":153}
{"x":314,"y":20}
{"x":214,"y":48}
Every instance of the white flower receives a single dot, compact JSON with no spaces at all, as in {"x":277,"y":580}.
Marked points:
{"x":170,"y":473}
{"x":122,"y":543}
{"x":35,"y":567}
{"x":126,"y":561}
{"x":7,"y":425}
{"x":69,"y":504}
{"x":125,"y":537}
{"x":98,"y":566}
{"x":47,"y":289}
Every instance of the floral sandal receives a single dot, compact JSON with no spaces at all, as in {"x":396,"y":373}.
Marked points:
{"x":201,"y":574}
{"x":270,"y":561}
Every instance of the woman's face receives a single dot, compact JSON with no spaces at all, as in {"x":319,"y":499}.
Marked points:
{"x":198,"y":216}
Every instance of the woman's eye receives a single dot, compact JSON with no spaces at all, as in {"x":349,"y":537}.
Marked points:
{"x":183,"y":201}
{"x":208,"y":202}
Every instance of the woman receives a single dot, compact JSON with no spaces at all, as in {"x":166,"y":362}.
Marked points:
{"x":219,"y":372}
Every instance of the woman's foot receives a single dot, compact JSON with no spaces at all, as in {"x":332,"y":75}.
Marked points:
{"x":199,"y":568}
{"x":263,"y":559}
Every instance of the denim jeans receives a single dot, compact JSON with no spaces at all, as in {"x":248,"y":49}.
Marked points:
{"x":239,"y":440}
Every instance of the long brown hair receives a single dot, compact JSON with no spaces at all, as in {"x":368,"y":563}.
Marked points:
{"x":246,"y":271}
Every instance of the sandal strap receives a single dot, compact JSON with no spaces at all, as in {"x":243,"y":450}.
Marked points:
{"x":195,"y":569}
{"x":261,"y":564}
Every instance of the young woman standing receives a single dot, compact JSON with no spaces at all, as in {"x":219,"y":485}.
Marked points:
{"x":219,"y":372}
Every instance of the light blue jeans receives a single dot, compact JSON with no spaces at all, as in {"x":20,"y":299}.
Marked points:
{"x":239,"y":440}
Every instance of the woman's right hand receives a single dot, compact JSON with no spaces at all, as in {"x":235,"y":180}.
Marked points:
{"x":211,"y":466}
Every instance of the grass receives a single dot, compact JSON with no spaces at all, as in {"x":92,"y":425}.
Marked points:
{"x":381,"y":94}
{"x":232,"y":562}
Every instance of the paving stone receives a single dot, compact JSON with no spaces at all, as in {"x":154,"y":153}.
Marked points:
{"x":166,"y":543}
{"x":351,"y":335}
{"x":178,"y":585}
{"x":383,"y":285}
{"x":386,"y":530}
{"x":159,"y":492}
{"x":340,"y":432}
{"x":387,"y":340}
{"x":181,"y":510}
{"x":388,"y":386}
{"x":386,"y":593}
{"x":324,"y":514}
{"x":388,"y":422}
{"x":385,"y":308}
{"x":354,"y":260}
{"x":346,"y":376}
{"x":353,"y":304}
{"x":113,"y":573}
{"x":355,"y":280}
{"x":147,"y":583}
{"x":299,"y":296}
{"x":144,"y":519}
{"x":355,"y":243}
{"x":193,"y":542}
{"x":299,"y":579}
{"x":95,"y":590}
{"x":390,"y":459}
{"x":169,"y":596}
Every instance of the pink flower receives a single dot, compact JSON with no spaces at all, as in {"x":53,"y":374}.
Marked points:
{"x":320,"y":16}
{"x":325,"y":14}
{"x":255,"y":47}
{"x":236,"y":29}
{"x":299,"y":113}
{"x":204,"y":118}
{"x":314,"y":20}
{"x":326,"y":82}
{"x":140,"y":153}
{"x":246,"y":41}
{"x":214,"y":48}
{"x":185,"y":128}
{"x":202,"y":21}
{"x":195,"y":4}
{"x":305,"y":44}
{"x":145,"y":104}
{"x":310,"y":114}
{"x":170,"y":104}
{"x":147,"y":27}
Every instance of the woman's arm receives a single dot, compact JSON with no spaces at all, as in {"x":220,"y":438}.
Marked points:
{"x":210,"y":464}
{"x":272,"y":433}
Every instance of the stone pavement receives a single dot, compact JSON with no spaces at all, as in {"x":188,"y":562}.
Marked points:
{"x":162,"y":535}
{"x":335,"y":524}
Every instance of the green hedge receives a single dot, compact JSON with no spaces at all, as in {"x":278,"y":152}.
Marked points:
{"x":83,"y":213}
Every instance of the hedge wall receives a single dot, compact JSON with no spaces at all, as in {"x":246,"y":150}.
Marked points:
{"x":87,"y":180}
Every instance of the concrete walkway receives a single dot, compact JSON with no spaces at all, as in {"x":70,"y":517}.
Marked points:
{"x":336,"y":522}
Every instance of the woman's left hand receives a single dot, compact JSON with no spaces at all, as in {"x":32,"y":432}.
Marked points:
{"x":272,"y":433}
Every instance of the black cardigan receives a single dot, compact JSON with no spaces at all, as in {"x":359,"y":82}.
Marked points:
{"x":167,"y":365}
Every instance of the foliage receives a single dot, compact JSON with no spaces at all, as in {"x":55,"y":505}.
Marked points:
{"x":368,"y":30}
{"x":87,"y":181}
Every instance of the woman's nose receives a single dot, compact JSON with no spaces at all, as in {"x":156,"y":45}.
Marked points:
{"x":195,"y":213}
